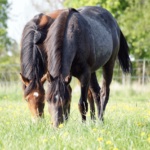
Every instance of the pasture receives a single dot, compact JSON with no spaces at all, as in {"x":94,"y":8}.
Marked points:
{"x":126,"y":123}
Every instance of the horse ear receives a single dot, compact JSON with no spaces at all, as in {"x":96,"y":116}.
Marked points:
{"x":43,"y":79}
{"x":24,"y":80}
{"x":49,"y":77}
{"x":68,"y":79}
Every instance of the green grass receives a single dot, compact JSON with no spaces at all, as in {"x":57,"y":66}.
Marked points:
{"x":126,"y":125}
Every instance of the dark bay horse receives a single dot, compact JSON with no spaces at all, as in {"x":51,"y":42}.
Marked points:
{"x":78,"y":43}
{"x":34,"y":60}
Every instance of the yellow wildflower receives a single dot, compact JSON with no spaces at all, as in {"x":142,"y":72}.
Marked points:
{"x":66,"y":133}
{"x":61,"y":125}
{"x":7,"y":122}
{"x":103,"y":130}
{"x":53,"y":137}
{"x":80,"y":138}
{"x":99,"y":149}
{"x":108,"y":132}
{"x":108,"y":142}
{"x":45,"y":140}
{"x":148,"y":139}
{"x":110,"y":147}
{"x":94,"y":129}
{"x":143,"y":133}
{"x":115,"y":148}
{"x":100,"y":139}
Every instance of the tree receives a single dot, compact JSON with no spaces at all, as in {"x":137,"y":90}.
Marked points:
{"x":8,"y":46}
{"x":116,"y":7}
{"x":135,"y":24}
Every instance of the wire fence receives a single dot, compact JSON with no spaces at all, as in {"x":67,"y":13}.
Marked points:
{"x":140,"y":73}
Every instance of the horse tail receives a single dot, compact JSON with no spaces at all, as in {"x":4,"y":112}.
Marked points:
{"x":123,"y":55}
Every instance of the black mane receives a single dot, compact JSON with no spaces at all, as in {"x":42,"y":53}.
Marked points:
{"x":33,"y":59}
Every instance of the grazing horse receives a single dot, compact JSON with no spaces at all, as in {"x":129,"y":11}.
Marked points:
{"x":78,"y":43}
{"x":34,"y":61}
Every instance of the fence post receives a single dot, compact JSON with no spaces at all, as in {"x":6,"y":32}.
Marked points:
{"x":123,"y":79}
{"x":143,"y":77}
{"x":130,"y":79}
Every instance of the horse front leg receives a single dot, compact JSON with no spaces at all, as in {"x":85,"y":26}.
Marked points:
{"x":83,"y":105}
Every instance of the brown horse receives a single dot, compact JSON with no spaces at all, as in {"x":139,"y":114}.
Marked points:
{"x":80,"y":42}
{"x":34,"y":60}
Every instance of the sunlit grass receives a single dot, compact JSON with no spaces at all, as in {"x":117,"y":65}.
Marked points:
{"x":126,"y":125}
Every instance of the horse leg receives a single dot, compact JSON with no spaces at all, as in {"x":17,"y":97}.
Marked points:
{"x":95,"y":90}
{"x":68,"y":111}
{"x":83,"y":105}
{"x":92,"y":107}
{"x":107,"y":78}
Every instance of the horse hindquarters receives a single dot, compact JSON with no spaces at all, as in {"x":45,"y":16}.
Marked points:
{"x":126,"y":65}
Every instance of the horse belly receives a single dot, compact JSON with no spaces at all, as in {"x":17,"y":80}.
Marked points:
{"x":103,"y":43}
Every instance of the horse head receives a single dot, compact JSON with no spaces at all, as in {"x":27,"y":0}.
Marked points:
{"x":58,"y":98}
{"x":34,"y":97}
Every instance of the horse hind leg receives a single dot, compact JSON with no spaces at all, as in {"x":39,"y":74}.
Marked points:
{"x":95,"y":90}
{"x":92,"y":107}
{"x":107,"y":78}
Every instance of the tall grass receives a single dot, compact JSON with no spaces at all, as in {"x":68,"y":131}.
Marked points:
{"x":126,"y":123}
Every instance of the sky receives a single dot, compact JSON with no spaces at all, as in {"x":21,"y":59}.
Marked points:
{"x":21,"y":12}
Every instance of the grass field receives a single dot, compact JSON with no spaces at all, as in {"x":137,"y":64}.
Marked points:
{"x":126,"y":125}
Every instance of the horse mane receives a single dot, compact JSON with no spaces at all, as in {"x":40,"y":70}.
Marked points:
{"x":54,"y":42}
{"x":33,"y":59}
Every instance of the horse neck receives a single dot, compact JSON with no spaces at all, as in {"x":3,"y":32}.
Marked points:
{"x":54,"y":45}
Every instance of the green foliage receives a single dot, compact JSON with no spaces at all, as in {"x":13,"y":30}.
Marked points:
{"x":116,"y":7}
{"x":6,"y":43}
{"x":135,"y":24}
{"x":133,"y":17}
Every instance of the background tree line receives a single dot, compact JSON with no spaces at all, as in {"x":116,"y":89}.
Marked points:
{"x":133,"y":17}
{"x":9,"y":52}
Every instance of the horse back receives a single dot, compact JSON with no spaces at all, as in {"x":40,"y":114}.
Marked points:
{"x":105,"y":31}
